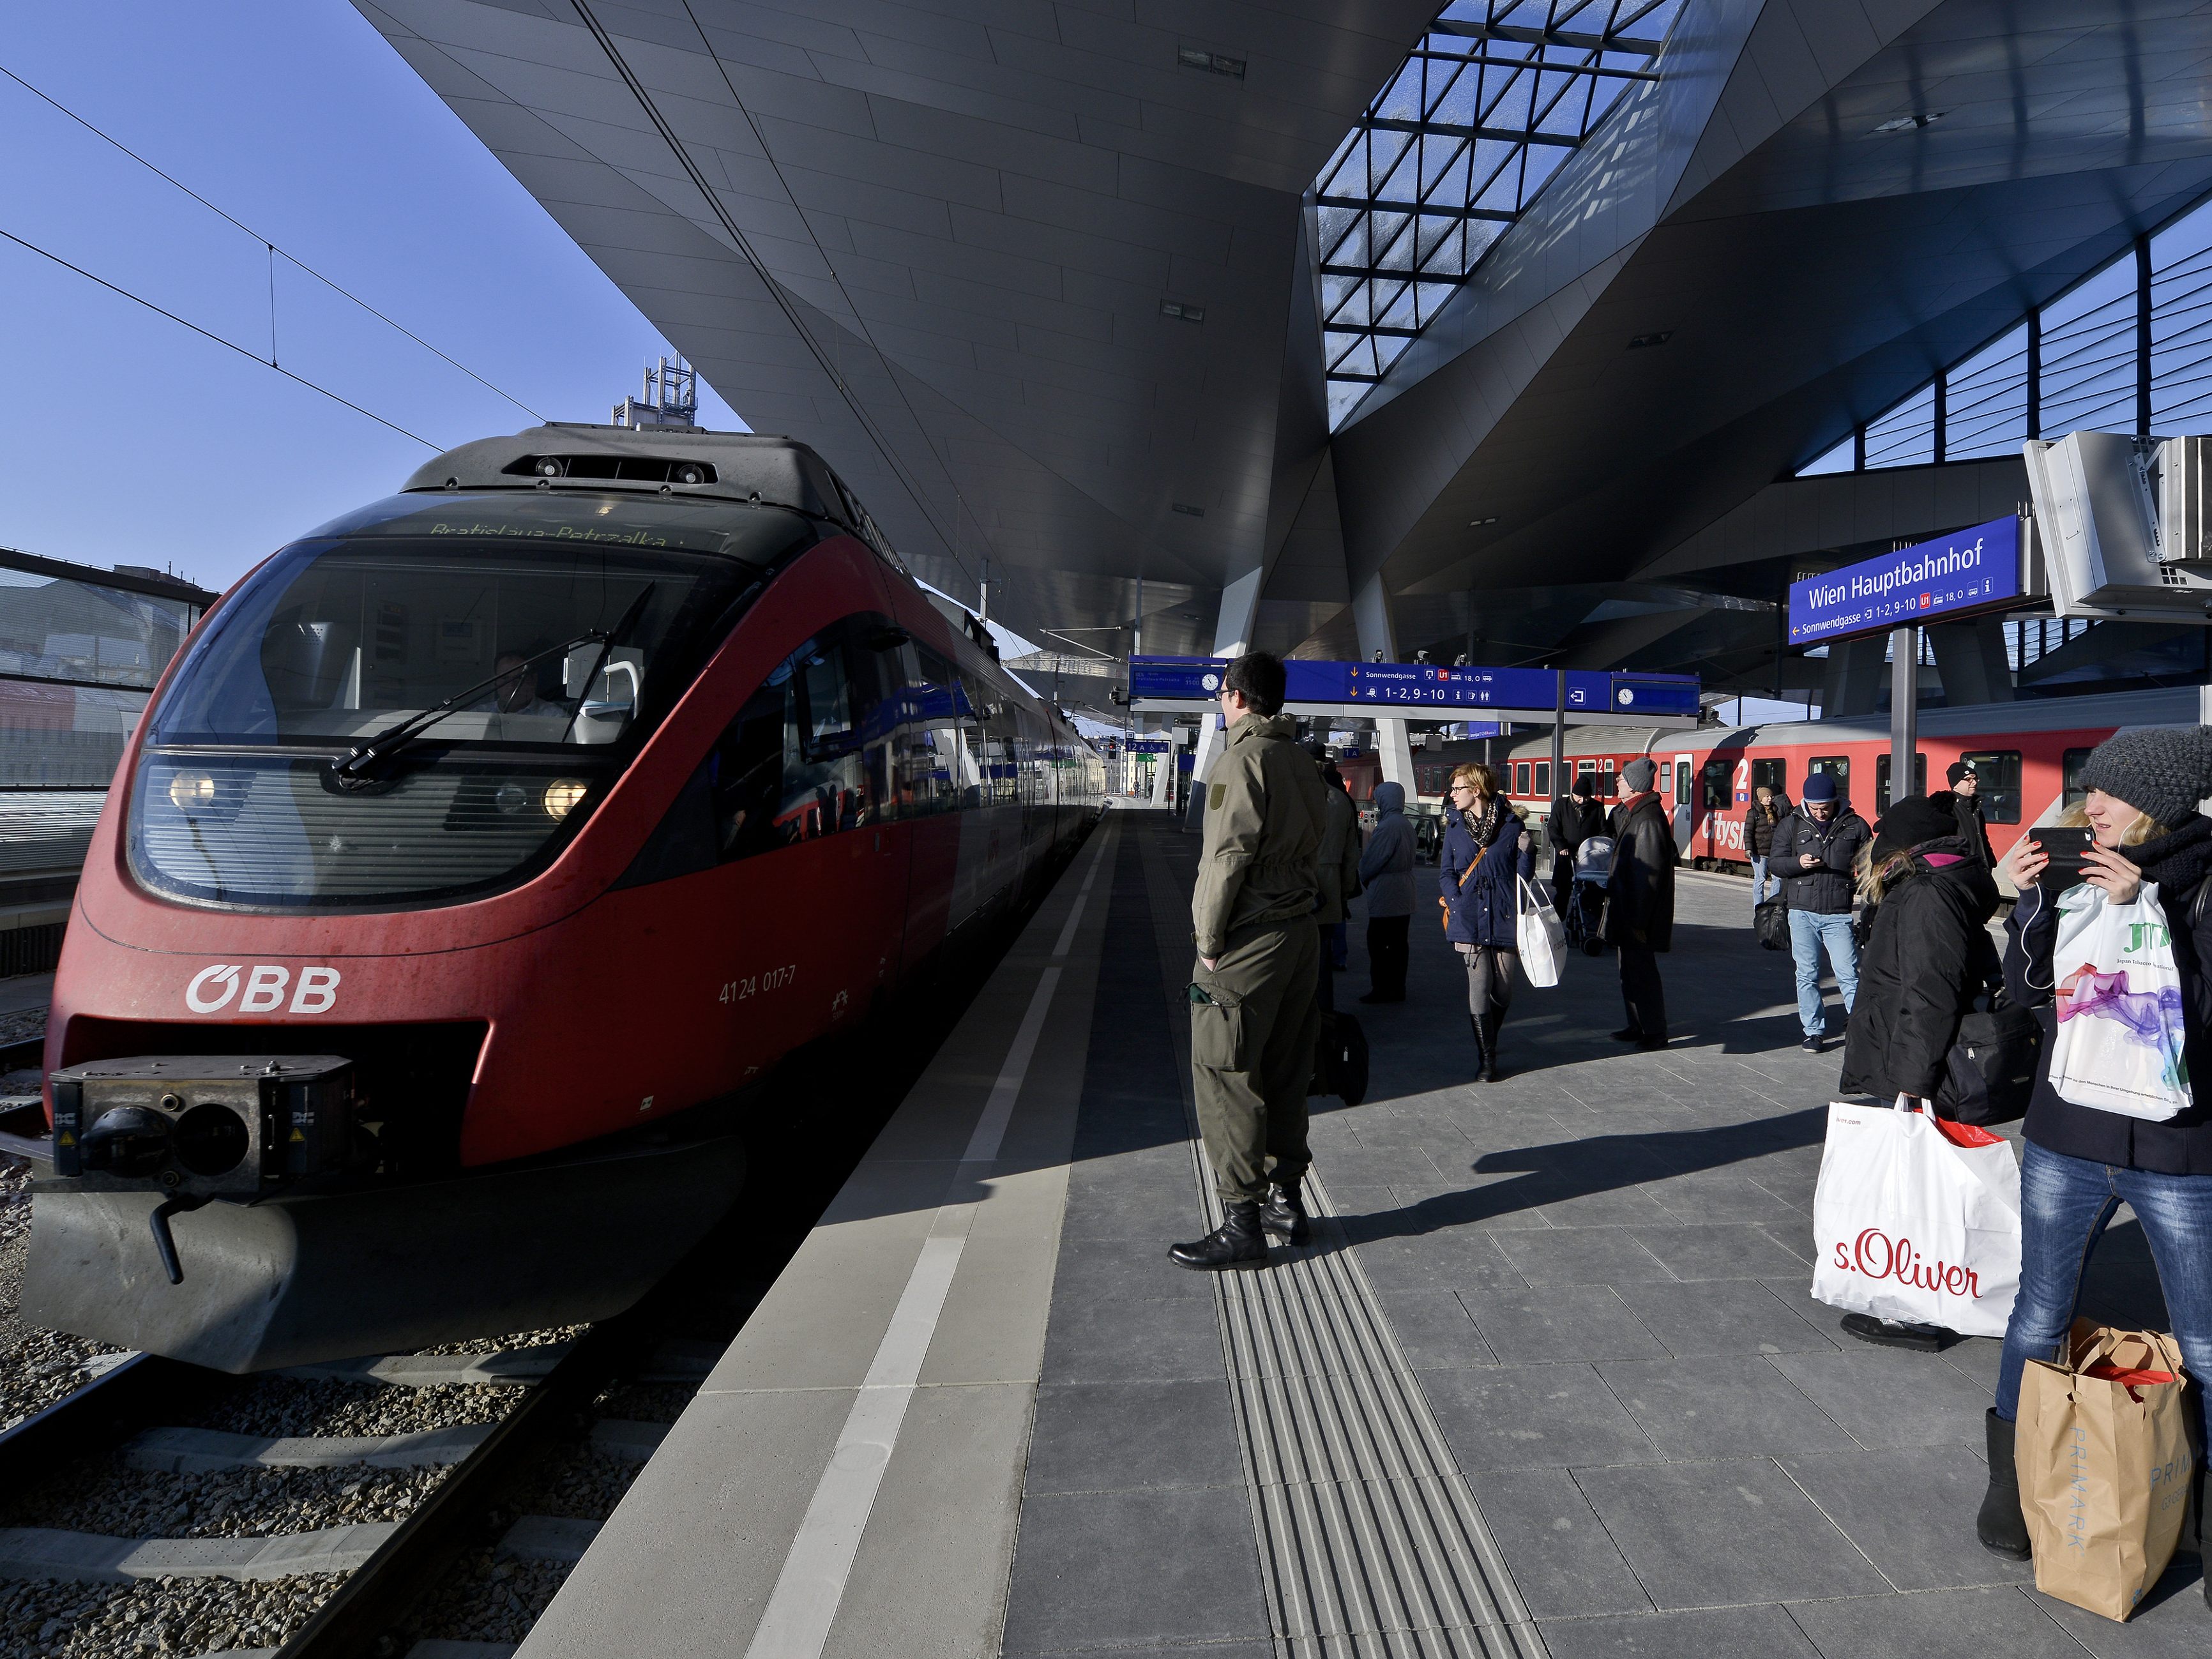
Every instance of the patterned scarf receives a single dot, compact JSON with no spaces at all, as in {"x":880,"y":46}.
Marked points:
{"x":1485,"y":825}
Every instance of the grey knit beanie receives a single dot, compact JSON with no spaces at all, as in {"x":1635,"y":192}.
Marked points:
{"x":2163,"y":770}
{"x":1639,"y":774}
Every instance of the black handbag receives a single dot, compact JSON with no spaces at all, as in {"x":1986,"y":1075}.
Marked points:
{"x":1770,"y":919}
{"x":1990,"y":1071}
{"x":1342,"y":1069}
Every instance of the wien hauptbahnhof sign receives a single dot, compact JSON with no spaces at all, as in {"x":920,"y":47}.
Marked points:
{"x":1951,"y":576}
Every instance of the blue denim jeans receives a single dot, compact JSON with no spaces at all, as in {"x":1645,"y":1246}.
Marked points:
{"x":2064,"y":1205}
{"x":1808,"y":933}
{"x":1758,"y":882}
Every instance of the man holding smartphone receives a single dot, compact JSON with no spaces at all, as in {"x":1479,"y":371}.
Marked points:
{"x":1812,"y":852}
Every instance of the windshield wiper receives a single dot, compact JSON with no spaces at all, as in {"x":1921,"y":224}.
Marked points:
{"x":353,"y":772}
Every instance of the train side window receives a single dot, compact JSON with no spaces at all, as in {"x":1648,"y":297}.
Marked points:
{"x":1606,"y":784}
{"x":1837,"y":767}
{"x":1716,"y":779}
{"x":1544,"y":779}
{"x":1881,"y":780}
{"x":1429,"y":777}
{"x":1998,"y":771}
{"x":1521,"y":777}
{"x":1682,"y":780}
{"x":2072,"y":791}
{"x":1769,"y":775}
{"x":932,"y":756}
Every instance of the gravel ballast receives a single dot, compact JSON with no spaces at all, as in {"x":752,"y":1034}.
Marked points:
{"x":278,"y":1407}
{"x":44,"y":1617}
{"x":36,"y":1367}
{"x":125,"y":1502}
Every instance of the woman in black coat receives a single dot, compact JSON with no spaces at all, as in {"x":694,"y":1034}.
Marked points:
{"x":2081,"y":1164}
{"x":1486,"y":851}
{"x":1929,"y":955}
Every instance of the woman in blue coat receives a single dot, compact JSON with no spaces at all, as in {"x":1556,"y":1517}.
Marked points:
{"x":1486,"y":847}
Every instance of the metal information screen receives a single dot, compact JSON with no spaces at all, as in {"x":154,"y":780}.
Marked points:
{"x":1419,"y":685}
{"x":1968,"y":571}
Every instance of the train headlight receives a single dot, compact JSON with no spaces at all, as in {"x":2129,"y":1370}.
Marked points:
{"x":510,"y":797}
{"x":191,"y":791}
{"x":561,"y":796}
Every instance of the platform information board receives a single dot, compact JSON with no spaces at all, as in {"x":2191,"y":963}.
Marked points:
{"x":1194,"y":681}
{"x":1969,"y":571}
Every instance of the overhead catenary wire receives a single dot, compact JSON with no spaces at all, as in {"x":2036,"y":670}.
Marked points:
{"x":275,"y":253}
{"x":207,"y":334}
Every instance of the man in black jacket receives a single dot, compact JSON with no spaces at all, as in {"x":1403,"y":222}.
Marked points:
{"x":1963,"y":801}
{"x":1576,"y":817}
{"x":1639,"y":902}
{"x":1813,"y":848}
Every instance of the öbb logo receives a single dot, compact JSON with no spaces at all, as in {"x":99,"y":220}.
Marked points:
{"x":264,"y":987}
{"x":1875,"y":1254}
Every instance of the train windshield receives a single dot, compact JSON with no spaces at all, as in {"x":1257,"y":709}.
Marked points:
{"x":522,"y":655}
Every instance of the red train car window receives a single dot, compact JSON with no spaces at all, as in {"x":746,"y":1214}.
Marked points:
{"x":1997,"y":771}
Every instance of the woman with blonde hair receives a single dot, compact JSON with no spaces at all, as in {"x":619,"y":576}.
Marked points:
{"x":1486,"y":847}
{"x":2081,"y":1164}
{"x":1928,"y":957}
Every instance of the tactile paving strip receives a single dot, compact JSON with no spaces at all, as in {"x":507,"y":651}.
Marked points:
{"x":1371,"y":1542}
{"x":1371,"y":1545}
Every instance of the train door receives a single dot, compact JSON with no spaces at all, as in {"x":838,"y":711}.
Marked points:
{"x":1685,"y":816}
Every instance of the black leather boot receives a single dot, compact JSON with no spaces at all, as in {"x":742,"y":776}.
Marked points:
{"x":1487,"y":1029}
{"x":1236,"y":1242}
{"x":1283,"y":1214}
{"x":1481,"y":1048}
{"x":2001,"y":1526}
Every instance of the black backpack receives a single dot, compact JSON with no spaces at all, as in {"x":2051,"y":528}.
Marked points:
{"x":1991,"y":1070}
{"x":1770,"y":920}
{"x":1343,"y":1069}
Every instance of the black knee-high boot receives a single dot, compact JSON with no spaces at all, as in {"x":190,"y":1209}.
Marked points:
{"x":1486,"y":1027}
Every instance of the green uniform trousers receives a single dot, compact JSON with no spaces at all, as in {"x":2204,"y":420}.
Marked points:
{"x":1252,"y":1055}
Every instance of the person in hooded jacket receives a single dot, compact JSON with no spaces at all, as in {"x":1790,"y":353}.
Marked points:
{"x":1386,"y":871}
{"x":1337,"y":864}
{"x":2081,"y":1165}
{"x":1639,"y":902}
{"x":1927,"y":959}
{"x":1486,"y":846}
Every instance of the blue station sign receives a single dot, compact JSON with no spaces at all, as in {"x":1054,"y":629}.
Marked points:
{"x":1343,"y":685}
{"x":1953,"y":576}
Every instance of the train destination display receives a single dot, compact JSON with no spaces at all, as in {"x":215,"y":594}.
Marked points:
{"x":1966,"y":572}
{"x":1195,"y":680}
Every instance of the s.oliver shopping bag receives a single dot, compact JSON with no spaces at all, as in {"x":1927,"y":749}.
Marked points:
{"x":2102,"y":1448}
{"x":1540,"y":933}
{"x":2119,"y":1042}
{"x":1916,"y":1220}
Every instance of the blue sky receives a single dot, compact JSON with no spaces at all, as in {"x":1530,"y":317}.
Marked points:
{"x":125,"y":438}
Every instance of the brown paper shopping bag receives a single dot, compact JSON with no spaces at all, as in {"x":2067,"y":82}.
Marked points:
{"x":2104,"y":1465}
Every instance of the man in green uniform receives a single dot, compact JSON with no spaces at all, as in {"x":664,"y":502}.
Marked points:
{"x":1253,"y":1020}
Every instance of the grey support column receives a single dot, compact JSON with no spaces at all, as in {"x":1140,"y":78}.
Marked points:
{"x":1854,"y":682}
{"x":1232,"y":638}
{"x":1371,"y":615}
{"x":1970,"y":656}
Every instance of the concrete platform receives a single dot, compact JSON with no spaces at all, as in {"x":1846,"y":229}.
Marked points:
{"x":1547,"y":1382}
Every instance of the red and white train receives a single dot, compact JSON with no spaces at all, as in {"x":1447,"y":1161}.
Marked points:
{"x":473,"y":860}
{"x":2027,"y":754}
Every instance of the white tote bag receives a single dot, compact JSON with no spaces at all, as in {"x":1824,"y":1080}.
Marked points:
{"x":1916,"y":1220}
{"x":1541,"y":934}
{"x":2120,"y":1033}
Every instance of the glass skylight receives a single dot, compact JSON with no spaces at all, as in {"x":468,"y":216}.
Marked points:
{"x":1471,"y":127}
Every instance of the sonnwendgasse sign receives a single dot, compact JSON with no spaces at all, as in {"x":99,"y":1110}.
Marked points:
{"x":1970,"y":570}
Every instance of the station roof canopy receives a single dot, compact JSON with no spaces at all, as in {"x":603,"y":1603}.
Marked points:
{"x":1346,"y":324}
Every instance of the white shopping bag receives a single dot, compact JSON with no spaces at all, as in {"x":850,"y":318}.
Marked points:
{"x":1541,"y":934}
{"x":2120,"y":1045}
{"x":1916,"y":1220}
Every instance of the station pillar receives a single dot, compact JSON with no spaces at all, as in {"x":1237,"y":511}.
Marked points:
{"x":1371,"y":615}
{"x":1232,"y":638}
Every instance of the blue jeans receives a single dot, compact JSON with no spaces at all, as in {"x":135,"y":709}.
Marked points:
{"x":1758,"y":882}
{"x":1808,"y":933}
{"x":2064,"y":1205}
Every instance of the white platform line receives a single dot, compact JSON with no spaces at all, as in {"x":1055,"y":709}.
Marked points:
{"x":804,"y":1604}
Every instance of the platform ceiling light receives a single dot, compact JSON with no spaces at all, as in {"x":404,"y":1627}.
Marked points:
{"x":1212,"y":63}
{"x":1476,"y":524}
{"x":1903,"y":123}
{"x":1481,"y":115}
{"x":1645,"y":341}
{"x":561,"y":796}
{"x":1182,"y":312}
{"x":1187,"y":510}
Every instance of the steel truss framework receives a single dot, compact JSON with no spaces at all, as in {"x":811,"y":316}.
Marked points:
{"x":1469,"y":130}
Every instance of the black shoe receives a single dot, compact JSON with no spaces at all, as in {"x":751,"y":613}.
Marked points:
{"x":1814,"y":1045}
{"x":1236,"y":1242}
{"x":1897,"y":1333}
{"x":1377,"y":996}
{"x":1651,"y":1043}
{"x":1628,"y":1034}
{"x":1283,"y":1214}
{"x":2001,"y":1526}
{"x":1486,"y":1032}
